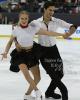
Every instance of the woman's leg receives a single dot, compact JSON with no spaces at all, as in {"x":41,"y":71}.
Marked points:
{"x":36,"y":74}
{"x":27,"y":76}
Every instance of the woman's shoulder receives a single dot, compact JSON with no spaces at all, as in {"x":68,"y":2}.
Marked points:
{"x":16,"y":28}
{"x":35,"y":23}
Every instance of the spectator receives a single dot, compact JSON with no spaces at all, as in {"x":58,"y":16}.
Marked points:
{"x":2,"y":20}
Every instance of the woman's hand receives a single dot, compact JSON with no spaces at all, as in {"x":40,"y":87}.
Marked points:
{"x":4,"y":55}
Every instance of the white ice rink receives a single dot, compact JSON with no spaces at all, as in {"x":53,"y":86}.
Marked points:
{"x":13,"y":85}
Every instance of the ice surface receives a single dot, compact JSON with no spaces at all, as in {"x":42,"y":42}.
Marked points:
{"x":13,"y":85}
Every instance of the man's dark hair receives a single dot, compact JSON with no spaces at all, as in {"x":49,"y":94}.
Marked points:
{"x":48,"y":4}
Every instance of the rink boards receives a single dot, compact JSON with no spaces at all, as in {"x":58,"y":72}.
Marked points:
{"x":6,"y":31}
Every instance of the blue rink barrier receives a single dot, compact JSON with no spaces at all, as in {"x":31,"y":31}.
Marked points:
{"x":69,"y":38}
{"x":6,"y":31}
{"x":74,"y":38}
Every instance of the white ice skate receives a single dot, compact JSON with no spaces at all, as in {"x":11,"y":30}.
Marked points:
{"x":28,"y":97}
{"x":38,"y":95}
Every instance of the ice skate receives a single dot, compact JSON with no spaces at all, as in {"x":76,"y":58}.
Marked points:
{"x":28,"y":97}
{"x":38,"y":95}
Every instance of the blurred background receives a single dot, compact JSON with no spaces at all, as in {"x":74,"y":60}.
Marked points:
{"x":68,"y":10}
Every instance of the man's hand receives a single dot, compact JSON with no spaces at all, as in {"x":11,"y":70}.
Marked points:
{"x":66,"y":35}
{"x":72,"y":29}
{"x":18,"y":47}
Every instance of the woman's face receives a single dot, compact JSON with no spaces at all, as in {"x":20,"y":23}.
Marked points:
{"x":23,"y":19}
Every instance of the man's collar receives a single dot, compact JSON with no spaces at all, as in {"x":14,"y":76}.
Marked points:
{"x":42,"y":19}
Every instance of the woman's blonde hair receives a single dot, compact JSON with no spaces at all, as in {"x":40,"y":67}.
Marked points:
{"x":23,"y":12}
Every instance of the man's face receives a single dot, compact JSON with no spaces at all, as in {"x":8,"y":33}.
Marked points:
{"x":49,"y":11}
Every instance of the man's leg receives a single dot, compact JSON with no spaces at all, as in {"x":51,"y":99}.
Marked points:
{"x":53,"y":65}
{"x":63,"y":90}
{"x":50,"y":92}
{"x":57,"y":83}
